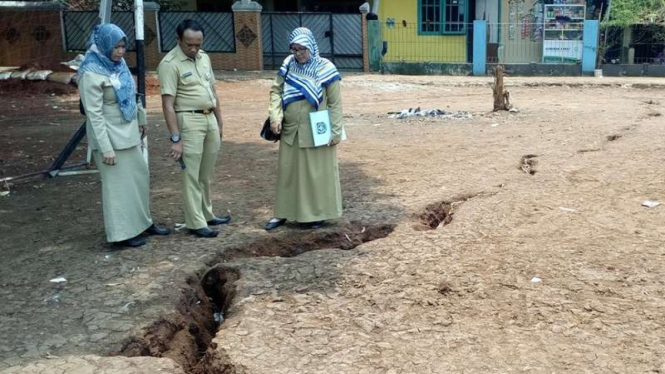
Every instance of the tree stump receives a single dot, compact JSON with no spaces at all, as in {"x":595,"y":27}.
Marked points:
{"x":501,"y":96}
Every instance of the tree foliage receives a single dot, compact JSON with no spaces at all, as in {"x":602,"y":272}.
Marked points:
{"x":631,"y":12}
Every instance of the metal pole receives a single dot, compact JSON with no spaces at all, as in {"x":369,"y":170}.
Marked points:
{"x":332,"y":38}
{"x":607,"y":18}
{"x":140,"y":51}
{"x":272,"y":42}
{"x":609,"y":9}
{"x":69,"y":148}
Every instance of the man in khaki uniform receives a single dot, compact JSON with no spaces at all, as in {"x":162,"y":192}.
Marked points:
{"x":191,"y":110}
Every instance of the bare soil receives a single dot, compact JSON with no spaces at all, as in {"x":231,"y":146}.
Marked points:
{"x":456,"y":253}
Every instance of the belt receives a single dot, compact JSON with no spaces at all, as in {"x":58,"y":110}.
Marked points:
{"x":202,"y":111}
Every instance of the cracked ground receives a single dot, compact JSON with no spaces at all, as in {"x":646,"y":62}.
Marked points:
{"x":557,"y":270}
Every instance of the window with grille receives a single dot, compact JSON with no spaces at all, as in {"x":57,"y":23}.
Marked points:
{"x":430,"y":16}
{"x":442,"y":16}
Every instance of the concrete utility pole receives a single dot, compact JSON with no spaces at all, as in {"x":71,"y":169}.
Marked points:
{"x":105,"y":11}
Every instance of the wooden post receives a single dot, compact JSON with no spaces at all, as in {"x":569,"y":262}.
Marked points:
{"x":501,"y":96}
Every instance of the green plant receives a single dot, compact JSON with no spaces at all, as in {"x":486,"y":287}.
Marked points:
{"x":630,"y":12}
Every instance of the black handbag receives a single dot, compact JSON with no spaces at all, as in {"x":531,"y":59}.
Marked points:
{"x":267,"y":134}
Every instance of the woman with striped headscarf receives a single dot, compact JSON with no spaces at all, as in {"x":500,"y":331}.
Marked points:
{"x":308,"y":188}
{"x":108,"y":95}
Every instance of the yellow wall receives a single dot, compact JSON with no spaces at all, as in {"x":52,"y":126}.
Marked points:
{"x":404,"y":43}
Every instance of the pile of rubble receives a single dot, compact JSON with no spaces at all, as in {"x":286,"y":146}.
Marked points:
{"x":438,"y":113}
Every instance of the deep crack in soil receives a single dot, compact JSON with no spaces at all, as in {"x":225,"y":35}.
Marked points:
{"x":295,"y":242}
{"x":186,"y":336}
{"x":183,"y":336}
{"x":441,"y":213}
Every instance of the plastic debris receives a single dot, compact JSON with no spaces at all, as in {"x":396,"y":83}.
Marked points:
{"x":53,"y":299}
{"x":38,"y":75}
{"x":125,"y":308}
{"x":58,"y":280}
{"x":651,"y":203}
{"x":438,"y":113}
{"x":536,"y":280}
{"x":75,"y":63}
{"x":19,"y":74}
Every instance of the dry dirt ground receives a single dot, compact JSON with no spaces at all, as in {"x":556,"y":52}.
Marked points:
{"x":456,"y":253}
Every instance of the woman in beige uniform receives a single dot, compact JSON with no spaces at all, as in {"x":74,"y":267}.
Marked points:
{"x":108,"y":95}
{"x":308,"y":188}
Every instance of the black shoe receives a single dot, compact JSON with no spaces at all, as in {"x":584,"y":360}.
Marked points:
{"x":271,"y":225}
{"x":316,"y":225}
{"x":157,"y":230}
{"x":134,"y":242}
{"x":219,"y":221}
{"x":204,"y":232}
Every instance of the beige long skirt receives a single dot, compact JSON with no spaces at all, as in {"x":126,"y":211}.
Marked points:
{"x":125,"y":194}
{"x":308,"y":187}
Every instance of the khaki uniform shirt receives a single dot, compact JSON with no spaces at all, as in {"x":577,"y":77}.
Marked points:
{"x":105,"y":127}
{"x":190,"y":81}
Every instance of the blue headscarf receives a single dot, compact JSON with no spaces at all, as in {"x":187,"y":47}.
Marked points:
{"x":306,"y":81}
{"x":98,"y":60}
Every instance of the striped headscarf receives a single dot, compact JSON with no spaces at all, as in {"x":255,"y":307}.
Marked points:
{"x":306,"y":81}
{"x":98,"y":60}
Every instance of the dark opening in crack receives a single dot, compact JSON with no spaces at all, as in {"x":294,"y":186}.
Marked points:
{"x":441,"y":213}
{"x":186,"y":335}
{"x":183,"y":336}
{"x":294,"y":242}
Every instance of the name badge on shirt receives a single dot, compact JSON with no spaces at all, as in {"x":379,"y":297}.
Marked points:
{"x":187,"y":74}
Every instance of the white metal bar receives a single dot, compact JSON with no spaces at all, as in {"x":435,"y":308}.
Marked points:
{"x":138,"y":19}
{"x":105,"y":11}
